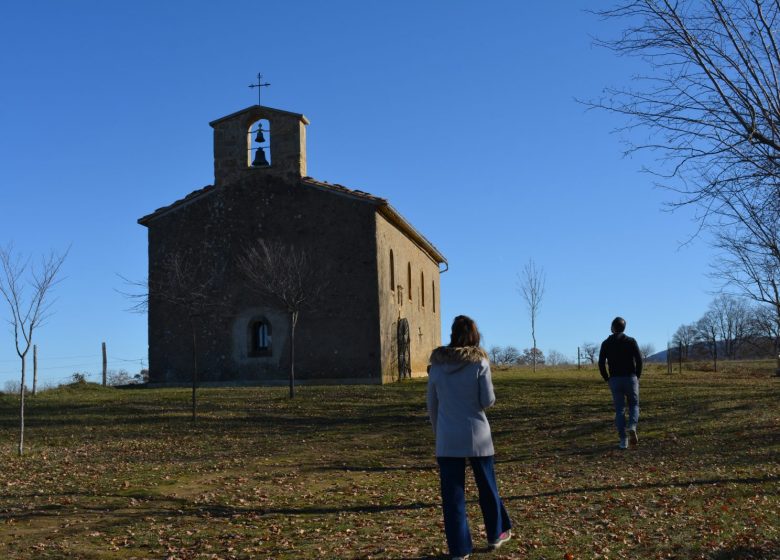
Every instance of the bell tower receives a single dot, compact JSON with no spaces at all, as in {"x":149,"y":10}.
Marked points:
{"x":259,"y":140}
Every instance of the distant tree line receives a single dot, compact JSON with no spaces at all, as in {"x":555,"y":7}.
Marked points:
{"x":732,"y":328}
{"x":511,"y":356}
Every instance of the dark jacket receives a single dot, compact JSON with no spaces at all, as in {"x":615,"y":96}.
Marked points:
{"x":621,"y":352}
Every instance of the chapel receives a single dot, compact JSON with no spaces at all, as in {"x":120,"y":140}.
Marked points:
{"x":378,"y":316}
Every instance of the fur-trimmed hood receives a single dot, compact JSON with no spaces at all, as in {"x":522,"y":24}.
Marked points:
{"x":460,"y":355}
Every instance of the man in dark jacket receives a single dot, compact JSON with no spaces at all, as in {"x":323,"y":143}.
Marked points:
{"x":621,"y":353}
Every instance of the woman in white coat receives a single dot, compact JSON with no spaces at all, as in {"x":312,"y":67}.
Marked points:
{"x":459,"y":391}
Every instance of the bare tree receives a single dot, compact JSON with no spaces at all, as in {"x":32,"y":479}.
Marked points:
{"x":748,"y":265}
{"x":555,"y":358}
{"x":509,"y":355}
{"x":684,"y":338}
{"x":188,"y":284}
{"x":707,"y":328}
{"x":287,"y":279}
{"x":646,"y":350}
{"x":709,"y":100}
{"x":590,"y":350}
{"x":532,"y":356}
{"x":495,"y":354}
{"x":733,"y":321}
{"x":766,"y":324}
{"x":30,"y":309}
{"x":531,"y":287}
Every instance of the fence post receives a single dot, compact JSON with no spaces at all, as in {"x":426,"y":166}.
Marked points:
{"x":105,"y":364}
{"x":668,"y":359}
{"x":578,"y":357}
{"x":679,"y":351}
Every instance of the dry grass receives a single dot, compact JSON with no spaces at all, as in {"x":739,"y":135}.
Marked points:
{"x":348,"y":472}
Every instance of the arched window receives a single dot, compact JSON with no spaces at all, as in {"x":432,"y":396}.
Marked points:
{"x":409,"y":280}
{"x":259,"y":337}
{"x":433,"y":295}
{"x":392,"y":271}
{"x":422,"y":288}
{"x":259,"y":144}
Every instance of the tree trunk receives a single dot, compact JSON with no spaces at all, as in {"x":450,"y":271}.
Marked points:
{"x":21,"y":410}
{"x":715,"y":354}
{"x":194,"y":370}
{"x":293,"y":322}
{"x":105,"y":364}
{"x":35,"y":369}
{"x":777,"y":341}
{"x":533,"y":337}
{"x":679,"y":356}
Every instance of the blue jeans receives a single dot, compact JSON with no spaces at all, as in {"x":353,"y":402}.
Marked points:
{"x":625,"y":387}
{"x":452,"y":471}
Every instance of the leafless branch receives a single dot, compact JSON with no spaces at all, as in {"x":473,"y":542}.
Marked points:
{"x":287,"y":279}
{"x":710,"y":99}
{"x":531,"y":286}
{"x":26,"y":290}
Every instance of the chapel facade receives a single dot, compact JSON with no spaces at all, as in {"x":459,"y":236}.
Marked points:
{"x":378,"y":317}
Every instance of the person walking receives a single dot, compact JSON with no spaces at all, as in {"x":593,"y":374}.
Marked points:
{"x":459,"y":389}
{"x":621,"y":354}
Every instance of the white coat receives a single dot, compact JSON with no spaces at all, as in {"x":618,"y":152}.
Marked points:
{"x":459,"y":391}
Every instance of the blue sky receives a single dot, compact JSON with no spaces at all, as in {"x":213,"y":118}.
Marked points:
{"x":462,"y":114}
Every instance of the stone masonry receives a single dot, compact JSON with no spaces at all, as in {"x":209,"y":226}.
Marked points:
{"x":350,"y":337}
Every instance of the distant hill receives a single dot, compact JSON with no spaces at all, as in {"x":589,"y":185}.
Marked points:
{"x":757,"y":348}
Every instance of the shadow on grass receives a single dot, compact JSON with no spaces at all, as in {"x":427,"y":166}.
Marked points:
{"x":648,"y":486}
{"x":377,"y":468}
{"x":748,"y":553}
{"x":183,"y":507}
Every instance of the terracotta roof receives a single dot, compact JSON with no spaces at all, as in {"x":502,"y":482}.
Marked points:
{"x":335,"y":187}
{"x":384,"y":208}
{"x":194,"y":195}
{"x":382,"y":205}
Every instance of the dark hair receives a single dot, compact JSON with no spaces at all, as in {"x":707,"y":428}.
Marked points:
{"x":464,"y":332}
{"x":618,"y":324}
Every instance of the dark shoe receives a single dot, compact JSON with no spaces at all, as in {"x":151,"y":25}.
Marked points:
{"x":623,"y":444}
{"x":502,"y":538}
{"x":466,"y":557}
{"x":633,"y":439}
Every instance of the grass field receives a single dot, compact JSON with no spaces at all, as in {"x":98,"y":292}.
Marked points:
{"x":348,"y":472}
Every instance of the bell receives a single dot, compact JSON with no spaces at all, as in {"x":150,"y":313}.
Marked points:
{"x":259,"y":138}
{"x":260,"y":160}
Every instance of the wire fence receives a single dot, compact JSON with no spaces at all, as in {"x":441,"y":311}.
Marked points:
{"x":61,"y":369}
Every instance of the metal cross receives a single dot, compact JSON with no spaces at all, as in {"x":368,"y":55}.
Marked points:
{"x":259,"y":85}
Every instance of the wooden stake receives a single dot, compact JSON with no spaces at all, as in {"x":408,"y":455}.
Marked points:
{"x":105,"y":364}
{"x":679,"y":357}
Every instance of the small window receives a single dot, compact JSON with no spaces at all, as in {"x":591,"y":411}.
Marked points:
{"x":392,"y":271}
{"x":259,"y":337}
{"x":433,"y":295}
{"x":422,"y":288}
{"x":409,"y":280}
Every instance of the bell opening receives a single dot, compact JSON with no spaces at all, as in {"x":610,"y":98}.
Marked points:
{"x":259,"y":144}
